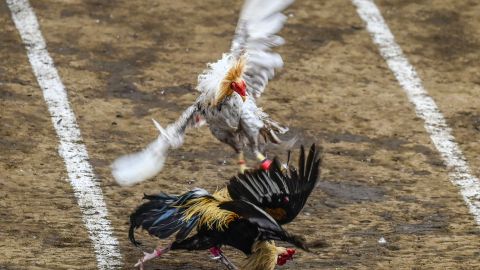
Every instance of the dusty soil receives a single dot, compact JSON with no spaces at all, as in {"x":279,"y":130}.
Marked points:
{"x":125,"y":62}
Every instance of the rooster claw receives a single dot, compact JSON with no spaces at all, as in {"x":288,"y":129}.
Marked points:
{"x":217,"y":254}
{"x":148,"y":256}
{"x":139,"y":264}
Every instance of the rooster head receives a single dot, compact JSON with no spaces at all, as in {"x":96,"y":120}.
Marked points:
{"x":285,"y":256}
{"x":233,"y":82}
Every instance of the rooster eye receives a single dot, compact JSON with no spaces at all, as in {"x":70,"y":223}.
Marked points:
{"x":233,"y":85}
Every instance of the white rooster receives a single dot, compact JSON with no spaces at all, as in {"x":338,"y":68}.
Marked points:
{"x":228,"y":90}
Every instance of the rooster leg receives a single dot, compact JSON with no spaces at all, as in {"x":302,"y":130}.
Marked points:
{"x":241,"y":162}
{"x":234,"y":141}
{"x":264,"y":162}
{"x":217,"y":254}
{"x":227,"y":263}
{"x":148,"y":256}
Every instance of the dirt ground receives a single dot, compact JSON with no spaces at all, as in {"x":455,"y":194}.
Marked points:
{"x":125,"y":62}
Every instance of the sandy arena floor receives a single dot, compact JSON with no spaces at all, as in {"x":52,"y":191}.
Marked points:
{"x":125,"y":62}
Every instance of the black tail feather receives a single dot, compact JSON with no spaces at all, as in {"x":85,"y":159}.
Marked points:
{"x":131,"y":231}
{"x":161,"y":215}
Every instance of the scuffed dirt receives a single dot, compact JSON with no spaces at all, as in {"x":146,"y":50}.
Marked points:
{"x":125,"y":62}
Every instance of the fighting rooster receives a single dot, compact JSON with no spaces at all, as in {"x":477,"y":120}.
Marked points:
{"x":228,"y":89}
{"x":246,"y":215}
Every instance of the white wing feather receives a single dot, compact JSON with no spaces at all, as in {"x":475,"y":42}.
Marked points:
{"x":140,"y":166}
{"x":255,"y":36}
{"x":137,"y":167}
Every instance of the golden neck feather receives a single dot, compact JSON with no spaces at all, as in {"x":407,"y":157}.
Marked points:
{"x":264,"y":256}
{"x":233,"y":75}
{"x":222,"y":195}
{"x":209,"y":213}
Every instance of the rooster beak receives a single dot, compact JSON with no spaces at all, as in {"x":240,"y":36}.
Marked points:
{"x":244,"y":98}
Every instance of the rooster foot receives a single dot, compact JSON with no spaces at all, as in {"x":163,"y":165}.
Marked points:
{"x":148,"y":256}
{"x":217,"y":254}
{"x":242,"y":163}
{"x":242,"y":166}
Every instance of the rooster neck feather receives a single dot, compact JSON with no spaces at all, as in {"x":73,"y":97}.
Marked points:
{"x":206,"y":208}
{"x":222,"y":195}
{"x":214,"y":82}
{"x":264,"y":256}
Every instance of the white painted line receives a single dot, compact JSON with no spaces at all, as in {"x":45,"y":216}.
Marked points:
{"x":71,"y":149}
{"x":425,"y":107}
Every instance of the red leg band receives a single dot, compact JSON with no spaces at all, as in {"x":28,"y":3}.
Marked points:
{"x":215,"y":251}
{"x":265,"y":165}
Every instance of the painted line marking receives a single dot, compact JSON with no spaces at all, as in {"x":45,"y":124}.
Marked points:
{"x":425,"y":106}
{"x":74,"y":153}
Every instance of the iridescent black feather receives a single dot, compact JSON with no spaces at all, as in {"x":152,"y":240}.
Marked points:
{"x":280,"y":192}
{"x":161,"y":215}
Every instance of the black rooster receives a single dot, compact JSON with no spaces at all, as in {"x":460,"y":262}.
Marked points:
{"x":246,"y":215}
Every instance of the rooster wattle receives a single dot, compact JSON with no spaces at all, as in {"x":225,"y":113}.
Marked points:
{"x":228,"y":89}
